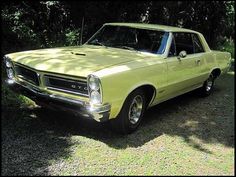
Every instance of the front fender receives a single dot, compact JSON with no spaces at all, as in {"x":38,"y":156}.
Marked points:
{"x":117,"y":101}
{"x":120,"y":81}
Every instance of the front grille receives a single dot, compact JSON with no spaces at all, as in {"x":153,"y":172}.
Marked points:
{"x":27,"y":74}
{"x":66,"y":85}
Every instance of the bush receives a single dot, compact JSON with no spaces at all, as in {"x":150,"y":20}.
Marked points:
{"x":228,"y":46}
{"x":72,"y":37}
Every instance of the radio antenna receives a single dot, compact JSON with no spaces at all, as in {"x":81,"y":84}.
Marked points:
{"x":81,"y":32}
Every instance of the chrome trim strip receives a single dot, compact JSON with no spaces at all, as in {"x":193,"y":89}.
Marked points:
{"x":69,"y":100}
{"x":104,"y":108}
{"x":68,"y":91}
{"x":39,"y":79}
{"x":64,"y":79}
{"x":22,"y":80}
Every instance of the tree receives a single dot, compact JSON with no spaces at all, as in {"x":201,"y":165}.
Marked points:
{"x":32,"y":24}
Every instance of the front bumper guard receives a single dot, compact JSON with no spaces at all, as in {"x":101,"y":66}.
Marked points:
{"x":99,"y":113}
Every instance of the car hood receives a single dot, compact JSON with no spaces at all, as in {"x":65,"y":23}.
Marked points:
{"x":76,"y":61}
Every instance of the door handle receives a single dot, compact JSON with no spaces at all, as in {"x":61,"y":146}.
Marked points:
{"x":198,"y":61}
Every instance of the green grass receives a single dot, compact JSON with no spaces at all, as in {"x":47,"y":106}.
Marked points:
{"x":187,"y":135}
{"x":9,"y":99}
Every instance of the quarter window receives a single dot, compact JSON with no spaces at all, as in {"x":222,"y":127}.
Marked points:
{"x":197,"y":46}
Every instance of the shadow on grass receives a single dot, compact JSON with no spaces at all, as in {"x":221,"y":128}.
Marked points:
{"x":28,"y":144}
{"x":34,"y":137}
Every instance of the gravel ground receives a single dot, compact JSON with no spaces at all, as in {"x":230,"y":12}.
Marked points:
{"x":186,"y":135}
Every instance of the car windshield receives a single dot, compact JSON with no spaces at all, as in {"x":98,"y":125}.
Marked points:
{"x":131,"y":39}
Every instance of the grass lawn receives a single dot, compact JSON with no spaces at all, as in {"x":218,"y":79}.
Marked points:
{"x":187,"y":135}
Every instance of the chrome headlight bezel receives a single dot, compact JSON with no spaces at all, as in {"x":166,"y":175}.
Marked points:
{"x":93,"y":82}
{"x":8,"y":62}
{"x":95,"y":97}
{"x":10,"y":73}
{"x":94,"y":87}
{"x":9,"y":67}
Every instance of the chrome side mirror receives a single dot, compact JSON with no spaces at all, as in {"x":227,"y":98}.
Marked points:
{"x":182,"y":54}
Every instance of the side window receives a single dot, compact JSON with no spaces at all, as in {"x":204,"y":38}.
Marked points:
{"x":197,"y":45}
{"x":152,"y":41}
{"x":183,"y":41}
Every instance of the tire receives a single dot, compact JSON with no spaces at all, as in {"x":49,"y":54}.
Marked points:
{"x":207,"y":87}
{"x":127,"y":121}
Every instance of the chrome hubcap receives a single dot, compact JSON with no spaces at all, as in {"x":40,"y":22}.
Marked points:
{"x":135,"y":109}
{"x":209,"y":83}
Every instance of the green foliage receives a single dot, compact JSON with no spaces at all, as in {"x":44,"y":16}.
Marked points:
{"x":18,"y":35}
{"x":34,"y":25}
{"x":230,"y":20}
{"x":228,"y":45}
{"x":72,"y":37}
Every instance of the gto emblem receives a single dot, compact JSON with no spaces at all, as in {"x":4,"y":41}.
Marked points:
{"x":78,"y":87}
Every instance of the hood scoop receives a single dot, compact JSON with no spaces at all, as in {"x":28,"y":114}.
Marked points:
{"x":75,"y":53}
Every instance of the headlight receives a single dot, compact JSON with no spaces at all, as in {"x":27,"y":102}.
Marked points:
{"x":10,"y":73}
{"x":94,"y":87}
{"x":8,"y":62}
{"x":9,"y":67}
{"x":93,"y":82}
{"x":95,"y":97}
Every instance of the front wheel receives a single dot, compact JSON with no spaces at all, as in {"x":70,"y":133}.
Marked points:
{"x":207,"y":87}
{"x":131,"y":113}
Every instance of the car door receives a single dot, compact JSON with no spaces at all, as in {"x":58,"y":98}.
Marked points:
{"x":183,"y":72}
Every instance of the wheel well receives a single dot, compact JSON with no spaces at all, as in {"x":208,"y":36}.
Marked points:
{"x":149,"y":91}
{"x":216,"y":72}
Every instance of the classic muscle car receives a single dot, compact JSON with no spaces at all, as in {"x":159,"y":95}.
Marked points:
{"x":122,"y":70}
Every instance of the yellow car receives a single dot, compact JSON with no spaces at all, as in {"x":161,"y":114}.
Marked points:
{"x":122,"y":70}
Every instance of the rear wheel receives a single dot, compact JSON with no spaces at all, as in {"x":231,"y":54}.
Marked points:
{"x":131,"y":113}
{"x":207,"y":87}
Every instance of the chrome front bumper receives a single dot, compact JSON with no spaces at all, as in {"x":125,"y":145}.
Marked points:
{"x":99,"y":113}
